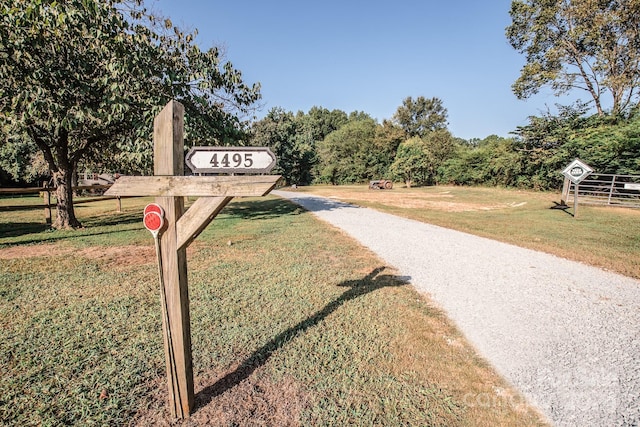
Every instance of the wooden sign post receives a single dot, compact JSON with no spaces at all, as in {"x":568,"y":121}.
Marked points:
{"x":576,"y":172}
{"x":182,"y":226}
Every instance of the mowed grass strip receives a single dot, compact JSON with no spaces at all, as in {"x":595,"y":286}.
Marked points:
{"x":292,"y":324}
{"x":605,"y":237}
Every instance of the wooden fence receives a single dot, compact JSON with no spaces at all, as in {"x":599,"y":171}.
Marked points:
{"x":46,"y":197}
{"x":605,"y":189}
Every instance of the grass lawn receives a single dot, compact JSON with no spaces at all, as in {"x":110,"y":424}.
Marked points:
{"x":292,"y":324}
{"x":606,"y":237}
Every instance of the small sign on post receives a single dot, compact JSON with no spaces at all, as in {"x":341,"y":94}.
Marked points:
{"x":576,"y":172}
{"x":153,"y":219}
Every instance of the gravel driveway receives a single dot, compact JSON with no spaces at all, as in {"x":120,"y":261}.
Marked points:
{"x":565,"y":334}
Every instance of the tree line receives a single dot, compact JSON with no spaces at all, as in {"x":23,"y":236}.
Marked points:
{"x":81,"y":80}
{"x":334,"y":147}
{"x":415,"y":147}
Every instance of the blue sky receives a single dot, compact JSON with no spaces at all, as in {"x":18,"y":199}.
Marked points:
{"x":370,"y":55}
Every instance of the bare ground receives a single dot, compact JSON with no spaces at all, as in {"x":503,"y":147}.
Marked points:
{"x":256,"y":401}
{"x":443,"y":201}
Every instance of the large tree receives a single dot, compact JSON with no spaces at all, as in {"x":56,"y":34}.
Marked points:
{"x":420,"y":116}
{"x":312,"y":128}
{"x":320,"y":122}
{"x":418,"y":159}
{"x":345,"y":154}
{"x":412,"y":162}
{"x":383,"y":151}
{"x":84,"y":78}
{"x":590,"y":45}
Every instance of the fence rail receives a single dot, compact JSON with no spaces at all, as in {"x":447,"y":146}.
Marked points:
{"x":606,"y":190}
{"x":46,"y":195}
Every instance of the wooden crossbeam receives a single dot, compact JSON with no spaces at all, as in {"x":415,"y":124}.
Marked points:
{"x":195,"y":186}
{"x":197,"y":217}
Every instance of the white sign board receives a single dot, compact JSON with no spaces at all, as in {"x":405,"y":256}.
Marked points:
{"x":235,"y":160}
{"x":631,"y":186}
{"x":577,"y":171}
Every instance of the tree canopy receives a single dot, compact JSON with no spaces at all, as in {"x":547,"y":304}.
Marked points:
{"x":280,"y":131}
{"x":593,"y":46}
{"x":344,"y":153}
{"x":421,"y":116}
{"x":83,"y":79}
{"x":418,"y":159}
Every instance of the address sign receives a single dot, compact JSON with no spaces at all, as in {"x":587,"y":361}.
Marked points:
{"x":577,"y":171}
{"x":230,"y":160}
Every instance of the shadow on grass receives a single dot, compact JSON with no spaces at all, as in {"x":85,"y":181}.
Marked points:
{"x":562,"y":207}
{"x":318,"y":203}
{"x":253,"y":209}
{"x":44,"y":233}
{"x":356,"y":288}
{"x":111,"y":220}
{"x":16,"y":229}
{"x":261,"y":209}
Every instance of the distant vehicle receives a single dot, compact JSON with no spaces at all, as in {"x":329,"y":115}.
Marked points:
{"x":99,"y":181}
{"x":85,"y":179}
{"x":381,"y":184}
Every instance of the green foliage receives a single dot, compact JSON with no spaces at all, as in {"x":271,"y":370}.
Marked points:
{"x":279,"y":130}
{"x":608,"y":144}
{"x":412,"y":163}
{"x":346,"y":153}
{"x":610,"y":147}
{"x":418,"y":159}
{"x":544,"y":148}
{"x":83,"y":79}
{"x":293,"y":139}
{"x":329,"y":146}
{"x":320,"y":122}
{"x":420,"y":116}
{"x":491,"y":161}
{"x":359,"y":151}
{"x":387,"y":139}
{"x":579,"y":44}
{"x":339,"y":148}
{"x":440,"y":146}
{"x":19,"y":159}
{"x":334,"y":147}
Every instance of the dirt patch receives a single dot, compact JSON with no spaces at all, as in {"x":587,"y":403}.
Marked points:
{"x":443,"y":201}
{"x":253,"y":402}
{"x":120,"y":256}
{"x":116,"y":257}
{"x":32,"y":251}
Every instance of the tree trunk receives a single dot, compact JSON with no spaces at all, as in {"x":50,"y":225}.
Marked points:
{"x":65,"y":215}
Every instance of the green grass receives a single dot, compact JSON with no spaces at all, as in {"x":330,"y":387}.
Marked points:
{"x":606,"y":237}
{"x":292,"y":324}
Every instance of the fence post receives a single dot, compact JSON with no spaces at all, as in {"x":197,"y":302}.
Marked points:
{"x":119,"y":203}
{"x":566,"y":185}
{"x":47,"y":203}
{"x":575,"y":199}
{"x":613,"y":184}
